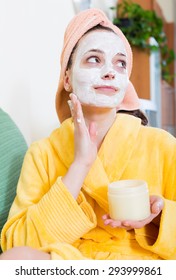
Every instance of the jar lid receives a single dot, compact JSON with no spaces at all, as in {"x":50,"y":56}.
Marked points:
{"x":122,"y":187}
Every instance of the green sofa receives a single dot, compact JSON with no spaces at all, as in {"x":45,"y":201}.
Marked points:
{"x":12,"y":150}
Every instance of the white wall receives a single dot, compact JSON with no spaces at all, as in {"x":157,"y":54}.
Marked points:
{"x":168,"y":9}
{"x":31,"y":37}
{"x":105,"y":6}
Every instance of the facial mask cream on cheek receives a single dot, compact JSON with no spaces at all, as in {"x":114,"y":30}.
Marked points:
{"x":82,"y":86}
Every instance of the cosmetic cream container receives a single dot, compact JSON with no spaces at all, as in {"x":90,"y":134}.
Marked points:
{"x":128,"y":200}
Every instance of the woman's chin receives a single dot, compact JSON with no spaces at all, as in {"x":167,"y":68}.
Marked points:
{"x":98,"y":105}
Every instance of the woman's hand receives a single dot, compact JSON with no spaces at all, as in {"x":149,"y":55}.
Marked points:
{"x":84,"y":137}
{"x":156,"y":206}
{"x":85,"y":149}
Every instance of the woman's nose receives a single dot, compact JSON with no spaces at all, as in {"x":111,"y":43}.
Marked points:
{"x":109,"y":76}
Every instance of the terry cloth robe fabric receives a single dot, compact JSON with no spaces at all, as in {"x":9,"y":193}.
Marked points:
{"x":44,"y":214}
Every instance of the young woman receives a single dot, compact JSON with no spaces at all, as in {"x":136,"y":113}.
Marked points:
{"x":61,"y":207}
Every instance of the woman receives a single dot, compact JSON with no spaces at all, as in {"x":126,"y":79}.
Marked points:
{"x":61,"y":205}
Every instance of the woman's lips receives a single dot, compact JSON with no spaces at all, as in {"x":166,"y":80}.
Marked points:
{"x":110,"y":90}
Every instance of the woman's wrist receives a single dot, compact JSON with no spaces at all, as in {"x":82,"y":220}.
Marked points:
{"x":82,"y":163}
{"x":75,"y":177}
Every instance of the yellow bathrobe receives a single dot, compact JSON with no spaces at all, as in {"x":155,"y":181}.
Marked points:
{"x":44,"y":214}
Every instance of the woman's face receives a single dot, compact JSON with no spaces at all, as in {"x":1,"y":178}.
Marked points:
{"x":98,"y":75}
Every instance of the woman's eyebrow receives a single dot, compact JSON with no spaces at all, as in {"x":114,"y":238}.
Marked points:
{"x":95,"y":50}
{"x":121,"y":54}
{"x":102,"y":52}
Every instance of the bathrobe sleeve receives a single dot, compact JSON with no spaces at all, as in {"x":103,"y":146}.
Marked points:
{"x":165,"y":243}
{"x":44,"y":211}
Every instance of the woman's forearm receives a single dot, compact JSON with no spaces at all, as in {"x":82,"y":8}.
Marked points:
{"x":75,"y":177}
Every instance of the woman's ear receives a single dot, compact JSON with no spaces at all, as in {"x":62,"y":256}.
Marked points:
{"x":67,"y":83}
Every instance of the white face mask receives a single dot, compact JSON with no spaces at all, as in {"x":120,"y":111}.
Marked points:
{"x":99,"y":74}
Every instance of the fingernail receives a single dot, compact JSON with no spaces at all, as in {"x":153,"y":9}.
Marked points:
{"x":70,"y":104}
{"x":73,"y":94}
{"x":159,"y":204}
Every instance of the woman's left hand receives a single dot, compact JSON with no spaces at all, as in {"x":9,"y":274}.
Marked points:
{"x":156,"y":206}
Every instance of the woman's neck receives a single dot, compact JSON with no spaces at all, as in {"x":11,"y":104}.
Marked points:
{"x":103,"y":118}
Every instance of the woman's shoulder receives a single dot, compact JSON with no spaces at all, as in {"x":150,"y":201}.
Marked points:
{"x":159,"y":135}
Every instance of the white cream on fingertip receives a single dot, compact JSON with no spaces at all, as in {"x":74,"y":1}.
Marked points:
{"x":78,"y":120}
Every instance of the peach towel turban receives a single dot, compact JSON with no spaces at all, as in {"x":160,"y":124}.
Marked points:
{"x":77,"y":27}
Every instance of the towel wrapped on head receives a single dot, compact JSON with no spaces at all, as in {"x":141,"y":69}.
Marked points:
{"x":77,"y":27}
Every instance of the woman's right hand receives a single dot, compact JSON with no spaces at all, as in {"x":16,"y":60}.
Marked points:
{"x":85,"y":149}
{"x":84,"y":137}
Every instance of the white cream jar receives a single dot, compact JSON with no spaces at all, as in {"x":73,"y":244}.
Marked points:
{"x":128,"y":200}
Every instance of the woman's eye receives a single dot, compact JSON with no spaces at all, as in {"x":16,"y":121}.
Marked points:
{"x":93,"y":59}
{"x":121,"y":64}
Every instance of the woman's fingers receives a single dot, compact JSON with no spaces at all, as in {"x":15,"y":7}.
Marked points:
{"x":76,"y":111}
{"x":84,"y":137}
{"x":156,"y":203}
{"x":114,"y":223}
{"x":78,"y":118}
